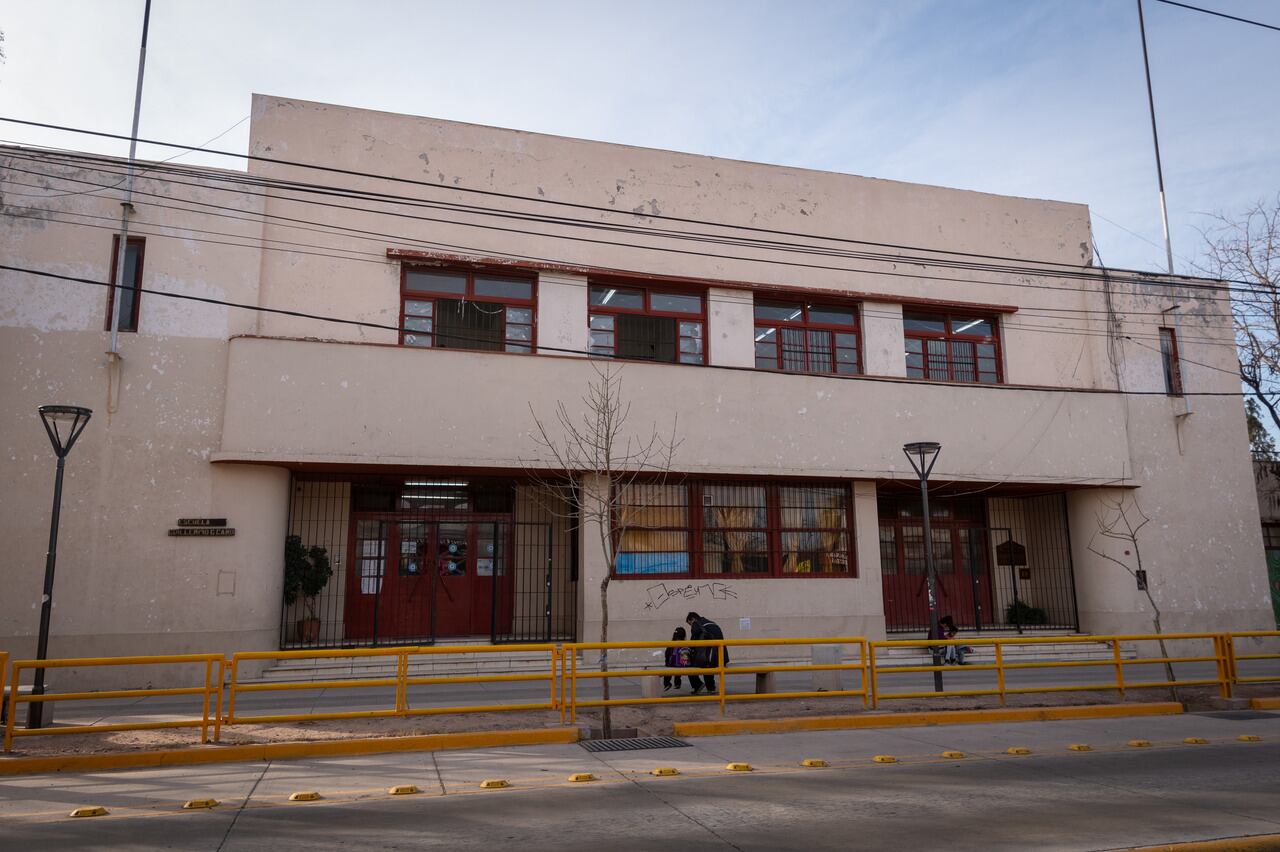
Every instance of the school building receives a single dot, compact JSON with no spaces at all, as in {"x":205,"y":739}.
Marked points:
{"x":392,"y":303}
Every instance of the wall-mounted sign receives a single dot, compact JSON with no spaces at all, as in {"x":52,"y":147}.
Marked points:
{"x":202,"y":528}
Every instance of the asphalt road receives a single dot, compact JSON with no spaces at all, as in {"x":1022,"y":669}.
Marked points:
{"x":1052,"y":799}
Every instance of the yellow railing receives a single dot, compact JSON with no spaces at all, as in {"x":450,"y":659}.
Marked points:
{"x":1234,"y":656}
{"x":1220,"y":657}
{"x":562,"y":674}
{"x":400,"y":682}
{"x":571,"y":675}
{"x":211,"y":693}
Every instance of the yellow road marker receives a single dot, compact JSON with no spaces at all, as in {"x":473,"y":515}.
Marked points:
{"x":95,"y":810}
{"x":814,"y":762}
{"x":304,"y":796}
{"x":739,"y":767}
{"x":494,"y":784}
{"x":582,"y":776}
{"x":1195,"y":741}
{"x":404,"y":790}
{"x":953,"y":755}
{"x":664,"y":771}
{"x":1018,"y":750}
{"x":885,"y":758}
{"x":1249,"y":738}
{"x":1139,"y":743}
{"x":1079,"y":747}
{"x":199,"y":804}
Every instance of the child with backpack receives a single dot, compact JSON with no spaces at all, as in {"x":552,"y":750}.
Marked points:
{"x":678,"y":657}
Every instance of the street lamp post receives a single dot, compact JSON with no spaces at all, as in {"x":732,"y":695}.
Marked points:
{"x":922,"y":455}
{"x":64,"y":423}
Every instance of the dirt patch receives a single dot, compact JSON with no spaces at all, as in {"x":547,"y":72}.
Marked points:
{"x":648,"y":720}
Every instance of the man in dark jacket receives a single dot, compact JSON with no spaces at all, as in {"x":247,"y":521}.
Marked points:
{"x":705,"y":657}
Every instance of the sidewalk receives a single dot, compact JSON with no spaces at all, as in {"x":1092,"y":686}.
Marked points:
{"x":1114,"y":795}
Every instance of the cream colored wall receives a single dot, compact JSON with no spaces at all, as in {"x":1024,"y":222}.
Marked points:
{"x":122,"y":584}
{"x":730,"y":328}
{"x":562,"y":313}
{"x":882,"y":348}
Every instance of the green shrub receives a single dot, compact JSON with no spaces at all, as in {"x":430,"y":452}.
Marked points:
{"x":1018,"y":612}
{"x":306,"y":572}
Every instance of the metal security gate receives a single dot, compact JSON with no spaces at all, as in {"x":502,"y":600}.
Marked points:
{"x":1001,"y":563}
{"x":431,"y":560}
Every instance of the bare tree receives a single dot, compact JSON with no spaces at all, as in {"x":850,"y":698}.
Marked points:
{"x":1247,"y":249}
{"x":596,"y":441}
{"x":1121,"y":521}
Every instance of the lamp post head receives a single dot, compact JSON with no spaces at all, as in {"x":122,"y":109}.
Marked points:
{"x":64,"y":423}
{"x":922,"y":455}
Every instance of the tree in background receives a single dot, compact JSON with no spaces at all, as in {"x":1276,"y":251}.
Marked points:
{"x":1261,"y":444}
{"x":1247,"y":249}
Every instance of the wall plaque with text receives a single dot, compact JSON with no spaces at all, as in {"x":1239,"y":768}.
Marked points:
{"x":202,"y":528}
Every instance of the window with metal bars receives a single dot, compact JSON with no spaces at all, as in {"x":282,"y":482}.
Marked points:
{"x":461,"y":309}
{"x":799,"y":337}
{"x":738,"y":530}
{"x":1169,"y":361}
{"x":951,"y":347}
{"x":130,"y":291}
{"x":647,"y":324}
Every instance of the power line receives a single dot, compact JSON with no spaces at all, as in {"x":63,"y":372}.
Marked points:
{"x":564,"y":350}
{"x":572,"y":205}
{"x":380,"y":259}
{"x":1220,"y":14}
{"x":639,"y":247}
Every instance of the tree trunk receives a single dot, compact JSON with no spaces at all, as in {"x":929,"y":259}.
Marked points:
{"x":606,"y":718}
{"x":1164,"y":653}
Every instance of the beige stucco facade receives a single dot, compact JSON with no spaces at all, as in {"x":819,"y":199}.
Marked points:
{"x":211,"y":410}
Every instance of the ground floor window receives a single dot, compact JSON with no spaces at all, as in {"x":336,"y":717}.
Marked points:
{"x":734,"y":529}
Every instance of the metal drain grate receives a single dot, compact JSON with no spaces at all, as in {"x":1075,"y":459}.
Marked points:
{"x":633,"y":744}
{"x":1241,"y":715}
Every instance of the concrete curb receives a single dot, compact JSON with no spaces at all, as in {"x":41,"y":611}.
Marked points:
{"x":1255,"y":843}
{"x":284,"y":751}
{"x":924,"y":718}
{"x":1265,"y":703}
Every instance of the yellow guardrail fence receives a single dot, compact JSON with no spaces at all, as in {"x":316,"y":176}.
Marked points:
{"x":400,"y":682}
{"x":229,"y":684}
{"x":1235,"y":656}
{"x":1116,"y":663}
{"x":211,"y":693}
{"x":572,"y":675}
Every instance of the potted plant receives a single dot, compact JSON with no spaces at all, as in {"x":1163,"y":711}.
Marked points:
{"x":306,"y":573}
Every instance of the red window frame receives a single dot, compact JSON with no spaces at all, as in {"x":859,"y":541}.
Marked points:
{"x":812,"y":359}
{"x":1170,"y":362}
{"x":944,"y":365}
{"x":691,"y":348}
{"x":417,"y":327}
{"x":129,"y":323}
{"x":696,"y":528}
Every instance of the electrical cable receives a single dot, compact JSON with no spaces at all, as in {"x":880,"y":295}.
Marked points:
{"x":564,"y":350}
{"x":561,"y":203}
{"x":1219,"y":14}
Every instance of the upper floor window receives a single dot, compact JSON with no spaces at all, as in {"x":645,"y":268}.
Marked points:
{"x":951,"y":347}
{"x":1169,"y":360}
{"x":806,"y":338}
{"x":647,"y":325}
{"x":456,"y":309}
{"x":130,"y":292}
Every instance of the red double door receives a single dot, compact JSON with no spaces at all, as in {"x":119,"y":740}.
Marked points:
{"x":960,"y":564}
{"x":417,"y":580}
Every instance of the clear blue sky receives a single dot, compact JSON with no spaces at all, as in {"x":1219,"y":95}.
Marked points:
{"x":1041,"y":98}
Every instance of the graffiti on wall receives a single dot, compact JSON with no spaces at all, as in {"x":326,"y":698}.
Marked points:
{"x":660,"y":593}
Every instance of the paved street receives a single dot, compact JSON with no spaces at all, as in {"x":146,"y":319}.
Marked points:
{"x":1052,"y":799}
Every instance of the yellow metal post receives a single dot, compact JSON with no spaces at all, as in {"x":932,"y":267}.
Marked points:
{"x":217,"y":716}
{"x":1000,"y":670}
{"x":1115,"y":647}
{"x":866,"y":675}
{"x":720,"y":661}
{"x":573,"y":690}
{"x":208,"y":687}
{"x":875,"y":693}
{"x":13,"y":707}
